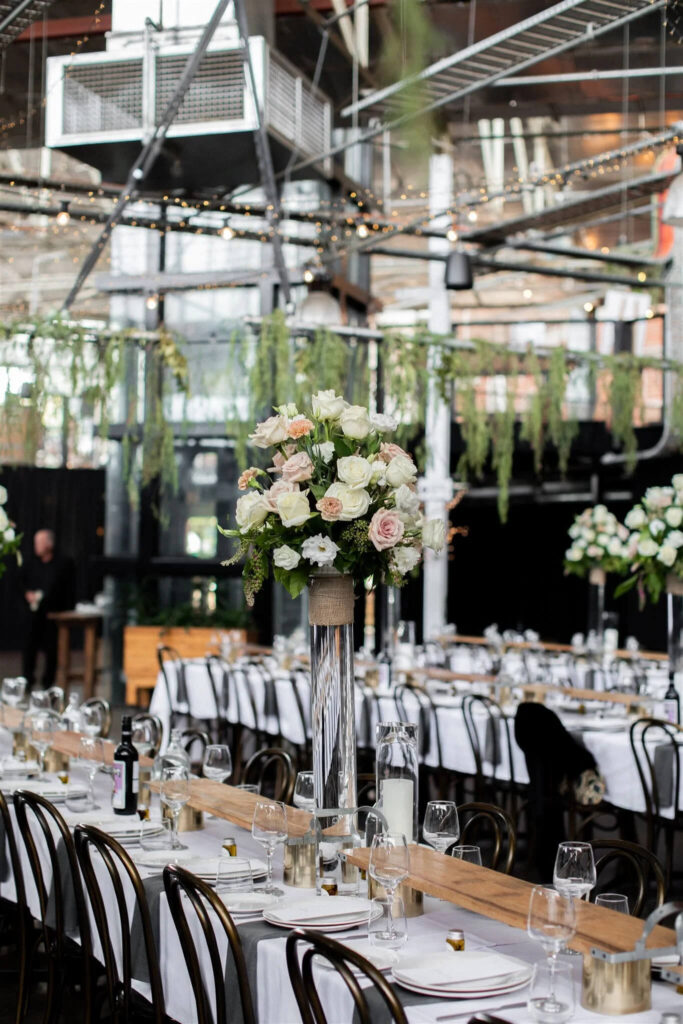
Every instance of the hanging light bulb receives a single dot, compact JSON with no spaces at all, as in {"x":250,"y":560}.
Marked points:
{"x":227,"y":232}
{"x":309,"y":276}
{"x":63,"y":217}
{"x":473,"y":216}
{"x":527,"y":293}
{"x":362,"y":231}
{"x":152,"y":301}
{"x":452,"y":234}
{"x":588,"y":307}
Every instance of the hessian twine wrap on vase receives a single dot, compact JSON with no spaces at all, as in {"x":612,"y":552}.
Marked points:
{"x":332,"y":689}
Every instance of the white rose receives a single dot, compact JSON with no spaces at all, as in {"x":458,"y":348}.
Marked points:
{"x":657,"y":526}
{"x":291,"y":411}
{"x":574,"y":554}
{"x":319,"y":549}
{"x":658,"y":498}
{"x":647,"y":548}
{"x":285,"y":557}
{"x":615,"y":547}
{"x":588,"y":535}
{"x":9,"y":534}
{"x":3,"y":495}
{"x":603,"y":540}
{"x":355,"y":422}
{"x":574,"y":530}
{"x":677,"y":481}
{"x":250,"y":512}
{"x":404,"y":558}
{"x":674,"y":516}
{"x":326,"y":405}
{"x":293,"y":508}
{"x":675,"y":539}
{"x":433,"y":533}
{"x":667,"y":555}
{"x":610,"y":527}
{"x":593,"y":551}
{"x":635,"y":518}
{"x":271,"y":431}
{"x":354,"y":471}
{"x":379,"y":473}
{"x":324,"y":451}
{"x":354,"y":503}
{"x":600,"y":512}
{"x":401,"y":470}
{"x":407,"y":501}
{"x":383,"y":423}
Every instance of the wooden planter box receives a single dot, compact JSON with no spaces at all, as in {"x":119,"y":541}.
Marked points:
{"x":140,"y":652}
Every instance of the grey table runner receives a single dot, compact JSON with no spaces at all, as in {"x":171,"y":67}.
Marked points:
{"x":181,"y":684}
{"x":153,"y":887}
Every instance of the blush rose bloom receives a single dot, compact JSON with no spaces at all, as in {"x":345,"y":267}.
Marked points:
{"x":388,"y":451}
{"x":355,"y":422}
{"x":293,"y":508}
{"x":297,"y":468}
{"x":330,"y":509}
{"x":354,"y":503}
{"x":401,"y":470}
{"x":299,"y":427}
{"x":279,"y":487}
{"x":271,"y":431}
{"x":386,"y":529}
{"x":250,"y":512}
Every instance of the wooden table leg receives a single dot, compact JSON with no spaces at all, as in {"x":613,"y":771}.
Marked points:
{"x":63,"y":654}
{"x":89,"y":655}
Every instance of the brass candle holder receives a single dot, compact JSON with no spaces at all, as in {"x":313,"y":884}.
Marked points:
{"x":413,"y":899}
{"x":299,"y":861}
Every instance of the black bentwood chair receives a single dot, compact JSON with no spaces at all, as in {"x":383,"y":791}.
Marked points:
{"x":17,"y":916}
{"x":68,"y":958}
{"x":273,"y":771}
{"x":657,"y":756}
{"x":634,"y":863}
{"x":180,"y":883}
{"x":105,"y":710}
{"x":343,"y":960}
{"x":488,"y":825}
{"x":125,"y":1004}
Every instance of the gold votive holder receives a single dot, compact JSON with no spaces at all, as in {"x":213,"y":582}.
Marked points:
{"x":189,"y":819}
{"x":616,"y":989}
{"x":54,"y":760}
{"x":299,"y":862}
{"x":413,"y":899}
{"x":371,"y":678}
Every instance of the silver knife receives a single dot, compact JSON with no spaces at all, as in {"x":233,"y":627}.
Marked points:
{"x":489,"y":1009}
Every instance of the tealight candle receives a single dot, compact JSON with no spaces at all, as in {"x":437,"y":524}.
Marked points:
{"x":397,"y":806}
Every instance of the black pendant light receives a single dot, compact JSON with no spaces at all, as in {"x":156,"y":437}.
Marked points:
{"x":458,"y":271}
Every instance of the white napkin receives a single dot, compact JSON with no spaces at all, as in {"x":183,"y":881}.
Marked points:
{"x":345,"y":908}
{"x":451,"y":968}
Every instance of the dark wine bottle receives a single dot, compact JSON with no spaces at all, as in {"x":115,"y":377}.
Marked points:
{"x":672,"y":703}
{"x":126,"y":772}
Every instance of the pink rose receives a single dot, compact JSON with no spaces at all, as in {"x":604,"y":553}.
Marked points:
{"x":278,"y":462}
{"x":386,"y":529}
{"x":330,"y":509}
{"x":388,"y":451}
{"x":280,"y":487}
{"x":297,"y":468}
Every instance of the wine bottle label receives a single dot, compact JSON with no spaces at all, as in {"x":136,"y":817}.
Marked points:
{"x":136,"y":776}
{"x":384,"y":675}
{"x":119,"y":795}
{"x":671,"y":711}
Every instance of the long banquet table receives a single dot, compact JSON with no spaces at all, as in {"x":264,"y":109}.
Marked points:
{"x":265,"y":945}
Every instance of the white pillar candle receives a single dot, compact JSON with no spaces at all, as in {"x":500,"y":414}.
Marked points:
{"x":397,"y":806}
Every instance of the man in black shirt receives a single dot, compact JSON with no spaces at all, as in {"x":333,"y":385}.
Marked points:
{"x":47,"y":583}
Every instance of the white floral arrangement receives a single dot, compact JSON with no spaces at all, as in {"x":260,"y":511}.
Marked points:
{"x":9,"y":541}
{"x":337,"y":493}
{"x":597,"y":542}
{"x":655,"y":545}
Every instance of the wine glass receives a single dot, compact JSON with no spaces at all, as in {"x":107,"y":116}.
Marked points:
{"x":551,"y":920}
{"x":91,"y":720}
{"x":304,"y":795}
{"x":551,"y":993}
{"x":389,"y":865}
{"x":39,"y":700}
{"x":441,"y":827}
{"x":91,"y":752}
{"x":143,"y":737}
{"x":13,"y":690}
{"x":472,"y":854}
{"x":574,"y":874}
{"x":217,"y":762}
{"x":41,"y":725}
{"x":175,"y":792}
{"x":613,"y":901}
{"x":269,"y":827}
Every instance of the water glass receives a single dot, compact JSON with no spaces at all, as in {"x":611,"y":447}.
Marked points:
{"x":472,"y":854}
{"x":441,"y":827}
{"x":175,"y":792}
{"x":41,"y":724}
{"x":304,"y":795}
{"x":77,"y":800}
{"x":551,"y":919}
{"x":613,"y":901}
{"x":234,"y":874}
{"x":269,"y":827}
{"x":551,"y":992}
{"x":217,"y":762}
{"x":249,"y":787}
{"x":387,"y":924}
{"x":157,"y":840}
{"x":91,"y":754}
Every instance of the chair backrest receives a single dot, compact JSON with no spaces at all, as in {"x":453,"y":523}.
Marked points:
{"x":496,"y":745}
{"x":346,"y":962}
{"x":272,"y":769}
{"x":408,"y":697}
{"x":105,"y":708}
{"x":193,"y":739}
{"x":164,"y":654}
{"x":219,"y":680}
{"x":477,"y":818}
{"x":180,"y":883}
{"x":156,"y":729}
{"x":43,"y":828}
{"x":119,"y":866}
{"x":656,"y":753}
{"x":641,"y":864}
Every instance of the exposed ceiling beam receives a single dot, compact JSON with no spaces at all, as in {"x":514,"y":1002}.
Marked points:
{"x":588,"y":76}
{"x":67,"y":28}
{"x":16,"y":15}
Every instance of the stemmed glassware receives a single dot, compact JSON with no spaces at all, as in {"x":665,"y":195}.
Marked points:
{"x":574,"y":875}
{"x":304,"y":795}
{"x":389,"y":865}
{"x":613,"y":901}
{"x":551,"y":920}
{"x":91,"y":753}
{"x":175,"y":792}
{"x":217,"y":762}
{"x":143,"y":738}
{"x":269,"y":827}
{"x":441,"y":827}
{"x":41,"y":725}
{"x":91,"y":720}
{"x":13,"y":690}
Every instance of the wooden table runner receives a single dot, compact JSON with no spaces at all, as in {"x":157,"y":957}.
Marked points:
{"x":66,"y":741}
{"x":528,"y":645}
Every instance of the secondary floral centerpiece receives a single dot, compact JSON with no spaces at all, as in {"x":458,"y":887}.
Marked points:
{"x":9,"y":541}
{"x":597,"y":543}
{"x":338,"y":493}
{"x":655,"y":544}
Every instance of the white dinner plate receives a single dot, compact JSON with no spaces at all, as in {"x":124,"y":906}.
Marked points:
{"x":449,"y":993}
{"x":382,"y":959}
{"x":55,"y":792}
{"x":346,"y":912}
{"x":207,"y":867}
{"x":248,"y":902}
{"x":160,"y":858}
{"x":460,"y":974}
{"x":119,"y":827}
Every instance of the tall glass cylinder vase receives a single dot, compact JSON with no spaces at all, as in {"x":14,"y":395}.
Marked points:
{"x":333,"y":726}
{"x":596,"y":607}
{"x":674,"y":623}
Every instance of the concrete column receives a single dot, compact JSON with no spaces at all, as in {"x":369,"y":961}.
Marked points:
{"x":437,"y":485}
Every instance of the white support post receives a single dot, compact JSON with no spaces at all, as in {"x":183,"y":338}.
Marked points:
{"x":437,"y":485}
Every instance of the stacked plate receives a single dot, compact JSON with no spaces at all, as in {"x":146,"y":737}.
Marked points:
{"x":329,"y":914}
{"x":13,"y":768}
{"x":451,"y":975}
{"x":52,"y":790}
{"x":124,"y":828}
{"x":205,"y":868}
